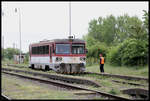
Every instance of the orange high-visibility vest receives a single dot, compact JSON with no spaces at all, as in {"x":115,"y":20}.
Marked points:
{"x":102,"y":60}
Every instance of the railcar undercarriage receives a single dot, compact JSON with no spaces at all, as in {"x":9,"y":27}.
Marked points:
{"x":70,"y":68}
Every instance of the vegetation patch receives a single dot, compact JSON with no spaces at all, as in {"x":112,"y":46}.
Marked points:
{"x":29,"y":90}
{"x":113,"y":91}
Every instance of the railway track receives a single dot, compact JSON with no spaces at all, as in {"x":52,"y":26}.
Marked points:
{"x":58,"y":77}
{"x":71,"y":80}
{"x":55,"y":77}
{"x":120,"y":76}
{"x":70,"y":86}
{"x":104,"y":74}
{"x":137,"y":93}
{"x":130,"y":83}
{"x":4,"y":97}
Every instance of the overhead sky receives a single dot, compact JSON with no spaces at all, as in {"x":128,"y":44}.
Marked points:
{"x":50,"y":20}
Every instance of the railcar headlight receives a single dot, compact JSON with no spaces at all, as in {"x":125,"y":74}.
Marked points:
{"x":82,"y":58}
{"x":58,"y":59}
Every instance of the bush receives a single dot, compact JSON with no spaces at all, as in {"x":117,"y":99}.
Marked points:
{"x":135,"y":52}
{"x":131,"y":52}
{"x":91,"y":61}
{"x":113,"y":56}
{"x":95,"y":50}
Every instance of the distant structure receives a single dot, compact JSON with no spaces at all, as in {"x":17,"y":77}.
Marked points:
{"x":16,"y":58}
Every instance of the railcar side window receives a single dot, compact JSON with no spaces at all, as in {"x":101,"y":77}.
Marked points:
{"x":47,"y":49}
{"x":33,"y":50}
{"x":44,"y":47}
{"x":77,"y":49}
{"x":36,"y":50}
{"x":40,"y":50}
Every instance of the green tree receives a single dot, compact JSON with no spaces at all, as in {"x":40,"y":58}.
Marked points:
{"x":146,"y":24}
{"x":109,"y":30}
{"x":116,"y":33}
{"x":121,"y":28}
{"x":9,"y":52}
{"x":26,"y":59}
{"x":103,"y":29}
{"x":134,"y":52}
{"x":131,"y":52}
{"x":146,"y":18}
{"x":90,"y":41}
{"x":136,"y":29}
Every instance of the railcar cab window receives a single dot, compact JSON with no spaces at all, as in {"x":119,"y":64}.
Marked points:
{"x":62,"y":48}
{"x":77,"y":48}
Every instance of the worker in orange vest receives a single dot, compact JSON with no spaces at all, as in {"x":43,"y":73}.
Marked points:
{"x":101,"y":63}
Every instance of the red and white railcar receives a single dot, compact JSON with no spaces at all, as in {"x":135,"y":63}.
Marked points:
{"x":60,"y":55}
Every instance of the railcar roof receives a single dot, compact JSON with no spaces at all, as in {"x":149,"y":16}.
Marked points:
{"x":67,"y":40}
{"x":61,"y":40}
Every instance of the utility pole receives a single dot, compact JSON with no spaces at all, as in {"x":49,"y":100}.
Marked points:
{"x":3,"y":48}
{"x":2,"y":41}
{"x":14,"y":45}
{"x":69,"y":18}
{"x":19,"y":30}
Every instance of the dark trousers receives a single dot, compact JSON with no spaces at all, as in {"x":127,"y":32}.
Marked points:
{"x":102,"y":67}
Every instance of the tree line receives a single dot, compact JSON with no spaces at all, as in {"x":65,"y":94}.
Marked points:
{"x":123,"y":40}
{"x":8,"y":53}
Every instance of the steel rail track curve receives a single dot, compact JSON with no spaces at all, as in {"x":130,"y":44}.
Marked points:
{"x":68,"y":86}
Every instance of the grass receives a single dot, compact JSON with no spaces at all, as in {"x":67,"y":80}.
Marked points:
{"x":108,"y":68}
{"x":20,"y":89}
{"x":123,"y":70}
{"x":113,"y":91}
{"x":17,"y":89}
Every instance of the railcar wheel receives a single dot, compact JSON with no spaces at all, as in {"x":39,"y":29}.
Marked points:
{"x":46,"y":68}
{"x":32,"y":66}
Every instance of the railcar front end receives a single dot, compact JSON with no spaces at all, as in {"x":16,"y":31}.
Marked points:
{"x":69,"y":58}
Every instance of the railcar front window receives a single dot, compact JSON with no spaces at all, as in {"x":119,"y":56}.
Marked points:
{"x":77,"y":49}
{"x":62,"y":48}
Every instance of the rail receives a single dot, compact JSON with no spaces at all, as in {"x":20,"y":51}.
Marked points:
{"x":58,"y":77}
{"x":4,"y":97}
{"x":104,"y":74}
{"x":120,"y":76}
{"x":68,"y":86}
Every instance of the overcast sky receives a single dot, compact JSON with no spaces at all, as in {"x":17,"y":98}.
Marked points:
{"x":50,"y":20}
